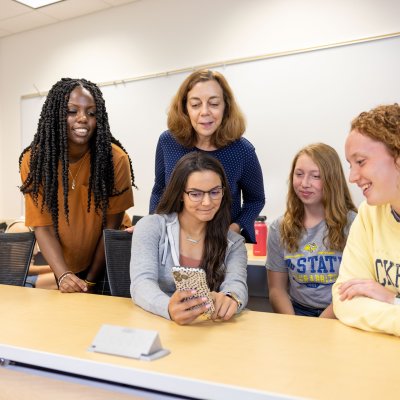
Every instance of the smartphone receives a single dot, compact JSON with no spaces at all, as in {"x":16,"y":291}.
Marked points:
{"x":194,"y":279}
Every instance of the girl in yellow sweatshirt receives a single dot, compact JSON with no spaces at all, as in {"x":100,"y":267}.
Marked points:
{"x":367,"y":292}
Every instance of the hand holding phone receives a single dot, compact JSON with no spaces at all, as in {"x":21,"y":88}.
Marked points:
{"x":188,"y":279}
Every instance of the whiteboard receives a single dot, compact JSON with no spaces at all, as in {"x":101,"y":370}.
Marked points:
{"x":288,"y":101}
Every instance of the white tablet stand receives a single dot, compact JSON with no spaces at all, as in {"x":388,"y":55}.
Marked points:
{"x":128,"y":342}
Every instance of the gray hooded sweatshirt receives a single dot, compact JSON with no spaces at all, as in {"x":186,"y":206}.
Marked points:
{"x":155,"y":250}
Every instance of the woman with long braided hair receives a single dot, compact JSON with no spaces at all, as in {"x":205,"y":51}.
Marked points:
{"x":77,"y":179}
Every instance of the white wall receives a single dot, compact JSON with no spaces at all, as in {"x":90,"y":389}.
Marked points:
{"x":152,"y":36}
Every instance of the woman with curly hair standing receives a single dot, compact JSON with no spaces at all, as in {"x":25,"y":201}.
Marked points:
{"x":77,"y":179}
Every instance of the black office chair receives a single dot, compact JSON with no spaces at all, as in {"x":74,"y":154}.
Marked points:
{"x":136,"y":218}
{"x":16,"y":251}
{"x":117,"y":246}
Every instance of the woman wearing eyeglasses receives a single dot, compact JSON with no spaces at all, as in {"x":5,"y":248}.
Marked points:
{"x":204,"y":116}
{"x":190,"y":229}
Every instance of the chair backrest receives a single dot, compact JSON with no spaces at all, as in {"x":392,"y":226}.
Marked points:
{"x":136,"y":218}
{"x":117,"y":245}
{"x":15,"y":257}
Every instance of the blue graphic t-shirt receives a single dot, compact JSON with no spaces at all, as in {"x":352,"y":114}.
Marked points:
{"x":312,"y":269}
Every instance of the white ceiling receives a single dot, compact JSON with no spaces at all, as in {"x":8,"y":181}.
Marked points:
{"x":15,"y":17}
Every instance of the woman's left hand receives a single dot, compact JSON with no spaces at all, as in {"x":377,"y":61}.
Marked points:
{"x":367,"y":288}
{"x":70,"y":283}
{"x":234,"y":227}
{"x":225,"y":307}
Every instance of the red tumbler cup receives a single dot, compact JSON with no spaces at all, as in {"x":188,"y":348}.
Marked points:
{"x":260,"y":227}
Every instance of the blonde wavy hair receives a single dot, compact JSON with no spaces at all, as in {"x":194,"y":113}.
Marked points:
{"x":381,"y":124}
{"x":336,"y":200}
{"x":233,"y":122}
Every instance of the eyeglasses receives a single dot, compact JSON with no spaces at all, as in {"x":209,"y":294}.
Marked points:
{"x":198,"y":195}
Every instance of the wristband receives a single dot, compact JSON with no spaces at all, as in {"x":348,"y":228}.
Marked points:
{"x":234,"y":297}
{"x":62,"y":276}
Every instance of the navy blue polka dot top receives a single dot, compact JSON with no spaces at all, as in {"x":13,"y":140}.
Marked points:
{"x":242,"y":169}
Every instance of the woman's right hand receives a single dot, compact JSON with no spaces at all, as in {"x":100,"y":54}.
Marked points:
{"x":367,"y":288}
{"x":71,"y":284}
{"x":179,"y":306}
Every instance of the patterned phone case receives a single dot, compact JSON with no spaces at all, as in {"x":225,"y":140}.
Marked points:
{"x":194,"y":279}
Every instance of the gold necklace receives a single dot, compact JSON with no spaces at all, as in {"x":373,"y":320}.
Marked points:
{"x":76,"y":175}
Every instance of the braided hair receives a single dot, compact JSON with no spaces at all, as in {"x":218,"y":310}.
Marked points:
{"x":50,"y":146}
